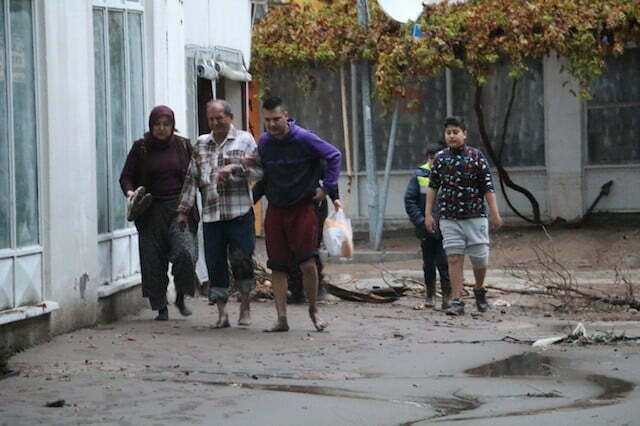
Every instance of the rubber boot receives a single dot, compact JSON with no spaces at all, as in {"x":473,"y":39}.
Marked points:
{"x":184,"y":311}
{"x":163,"y":314}
{"x":446,"y":297}
{"x":430,"y":300}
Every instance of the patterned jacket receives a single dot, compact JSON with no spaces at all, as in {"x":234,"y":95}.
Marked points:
{"x":220,"y":201}
{"x":462,"y":177}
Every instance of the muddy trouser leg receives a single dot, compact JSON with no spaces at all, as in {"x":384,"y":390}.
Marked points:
{"x":215,"y":255}
{"x":183,"y":255}
{"x":242,"y":242}
{"x":429,"y":248}
{"x":154,"y":260}
{"x":443,"y":269}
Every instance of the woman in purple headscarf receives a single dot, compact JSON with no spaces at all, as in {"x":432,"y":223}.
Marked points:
{"x":158,"y":162}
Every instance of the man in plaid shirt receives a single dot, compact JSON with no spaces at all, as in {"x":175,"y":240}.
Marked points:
{"x":216,"y":169}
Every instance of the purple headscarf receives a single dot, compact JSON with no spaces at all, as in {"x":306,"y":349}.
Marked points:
{"x":161,"y":111}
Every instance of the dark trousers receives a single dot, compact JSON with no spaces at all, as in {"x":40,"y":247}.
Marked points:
{"x":230,"y":240}
{"x":434,"y":256}
{"x":161,"y":242}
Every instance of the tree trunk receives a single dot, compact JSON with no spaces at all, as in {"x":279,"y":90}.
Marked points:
{"x":504,"y":177}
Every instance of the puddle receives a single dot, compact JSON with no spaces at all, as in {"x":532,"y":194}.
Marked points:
{"x":528,"y":364}
{"x":443,"y":406}
{"x":533,"y":364}
{"x":295,"y":375}
{"x":305,"y":390}
{"x":452,"y":406}
{"x":611,"y":390}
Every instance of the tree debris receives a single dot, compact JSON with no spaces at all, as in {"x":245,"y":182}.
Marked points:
{"x":356,"y":296}
{"x":580,"y":336}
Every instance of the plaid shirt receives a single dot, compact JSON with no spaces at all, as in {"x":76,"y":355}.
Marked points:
{"x":222,"y":201}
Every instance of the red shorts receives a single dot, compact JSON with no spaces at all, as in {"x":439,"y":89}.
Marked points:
{"x":291,"y":235}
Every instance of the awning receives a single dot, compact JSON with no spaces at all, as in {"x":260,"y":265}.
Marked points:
{"x":221,"y":61}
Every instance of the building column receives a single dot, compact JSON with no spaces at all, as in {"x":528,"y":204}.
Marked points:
{"x":563,"y":140}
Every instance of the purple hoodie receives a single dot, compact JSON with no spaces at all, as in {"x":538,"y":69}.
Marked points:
{"x":294,"y":165}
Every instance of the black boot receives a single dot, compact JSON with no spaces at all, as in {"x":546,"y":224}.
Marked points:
{"x":163,"y":314}
{"x":481,"y":299}
{"x":430,"y":300}
{"x":446,"y":297}
{"x":184,"y":311}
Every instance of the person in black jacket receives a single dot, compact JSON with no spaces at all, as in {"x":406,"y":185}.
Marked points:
{"x":433,"y":254}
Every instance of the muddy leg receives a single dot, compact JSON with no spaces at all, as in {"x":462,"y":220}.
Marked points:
{"x":279,"y":282}
{"x":310,"y":282}
{"x":245,"y":310}
{"x":223,"y":317}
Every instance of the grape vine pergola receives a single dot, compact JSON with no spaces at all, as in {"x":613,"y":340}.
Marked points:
{"x":473,"y":35}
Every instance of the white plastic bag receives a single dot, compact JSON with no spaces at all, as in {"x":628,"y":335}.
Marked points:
{"x":337,"y":235}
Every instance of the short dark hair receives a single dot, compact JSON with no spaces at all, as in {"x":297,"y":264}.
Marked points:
{"x":272,"y":102}
{"x":455,"y":120}
{"x":432,"y":149}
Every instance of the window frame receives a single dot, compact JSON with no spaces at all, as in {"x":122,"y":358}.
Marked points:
{"x":127,"y":7}
{"x":13,"y":239}
{"x":13,"y":253}
{"x":586,"y":107}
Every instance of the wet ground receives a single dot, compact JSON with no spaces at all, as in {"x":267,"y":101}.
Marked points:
{"x":386,"y":364}
{"x":376,"y":365}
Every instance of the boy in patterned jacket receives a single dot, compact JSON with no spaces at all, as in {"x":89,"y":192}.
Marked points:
{"x":461,"y":178}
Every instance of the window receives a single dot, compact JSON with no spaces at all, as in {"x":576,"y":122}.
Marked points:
{"x":19,"y":214}
{"x":120,"y":119}
{"x":20,"y":250}
{"x":613,"y":115}
{"x":119,"y":97}
{"x":524,"y":144}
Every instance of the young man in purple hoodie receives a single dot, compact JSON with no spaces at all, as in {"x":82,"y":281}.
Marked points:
{"x":293,"y":160}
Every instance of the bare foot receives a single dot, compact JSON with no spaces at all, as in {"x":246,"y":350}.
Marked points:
{"x":280,"y":325}
{"x":315,"y":319}
{"x":223,"y":322}
{"x":245,"y":316}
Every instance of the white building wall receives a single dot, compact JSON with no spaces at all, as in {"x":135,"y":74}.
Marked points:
{"x":165,"y":33}
{"x":68,"y":166}
{"x":219,"y":23}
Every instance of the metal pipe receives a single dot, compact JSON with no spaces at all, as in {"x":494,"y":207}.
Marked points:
{"x":369,"y":150}
{"x":387,"y":172}
{"x":355,"y":129}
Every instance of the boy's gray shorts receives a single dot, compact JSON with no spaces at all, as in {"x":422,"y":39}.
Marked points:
{"x":467,"y":236}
